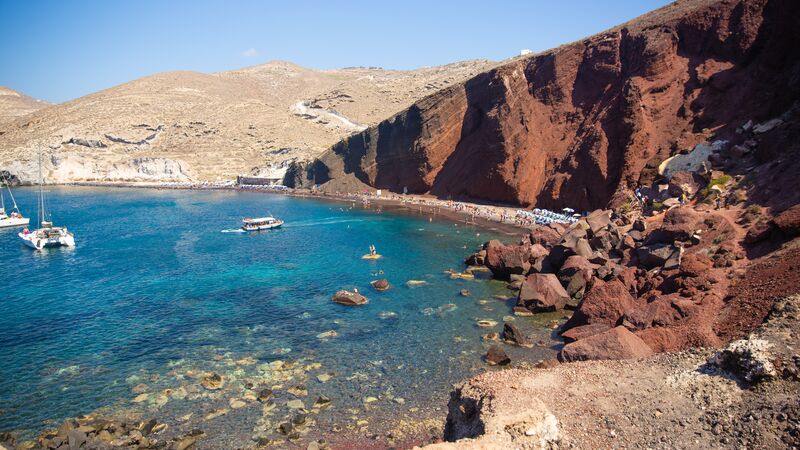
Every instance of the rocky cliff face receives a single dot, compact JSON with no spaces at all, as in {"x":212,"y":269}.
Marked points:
{"x":208,"y":127}
{"x":582,"y":124}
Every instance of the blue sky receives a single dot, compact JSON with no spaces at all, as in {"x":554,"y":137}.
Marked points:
{"x":60,"y":50}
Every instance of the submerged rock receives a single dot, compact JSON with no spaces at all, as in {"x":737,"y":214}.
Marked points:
{"x":495,"y":356}
{"x":213,"y":382}
{"x":349,"y":298}
{"x":512,"y":335}
{"x":380,"y":285}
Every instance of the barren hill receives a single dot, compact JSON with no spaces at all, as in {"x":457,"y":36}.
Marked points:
{"x":209,"y":127}
{"x":585,"y":123}
{"x":14,"y":104}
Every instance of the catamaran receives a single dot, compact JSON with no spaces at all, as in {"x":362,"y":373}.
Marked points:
{"x":261,"y":223}
{"x":15,"y":219}
{"x":46,"y":235}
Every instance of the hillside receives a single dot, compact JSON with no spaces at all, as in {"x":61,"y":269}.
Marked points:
{"x":14,"y":104}
{"x":583,"y":124}
{"x":209,"y":127}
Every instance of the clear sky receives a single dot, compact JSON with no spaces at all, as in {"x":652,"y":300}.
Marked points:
{"x":59,"y":50}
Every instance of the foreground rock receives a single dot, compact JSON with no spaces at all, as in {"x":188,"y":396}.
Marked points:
{"x":668,"y":400}
{"x":617,"y":343}
{"x":542,"y":292}
{"x":349,"y":298}
{"x":495,"y":356}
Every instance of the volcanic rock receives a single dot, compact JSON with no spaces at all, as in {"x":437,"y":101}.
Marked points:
{"x":505,"y":260}
{"x":542,"y":292}
{"x":349,"y":298}
{"x":617,"y":343}
{"x":575,"y":274}
{"x":380,"y":285}
{"x":584,"y":331}
{"x":604,"y":303}
{"x":512,"y":335}
{"x":657,"y":255}
{"x":495,"y":356}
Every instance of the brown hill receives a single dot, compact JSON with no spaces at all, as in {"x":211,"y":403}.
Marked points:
{"x":208,"y":127}
{"x":583,"y":124}
{"x":14,"y":104}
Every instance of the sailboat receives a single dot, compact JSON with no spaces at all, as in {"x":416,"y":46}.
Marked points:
{"x":46,"y":235}
{"x":15,"y":219}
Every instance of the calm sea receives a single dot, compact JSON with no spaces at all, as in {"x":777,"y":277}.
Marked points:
{"x":155,"y":295}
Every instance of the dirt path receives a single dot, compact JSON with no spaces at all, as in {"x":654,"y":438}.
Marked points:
{"x":672,"y":400}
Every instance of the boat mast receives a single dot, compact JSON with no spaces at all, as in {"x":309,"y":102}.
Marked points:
{"x":40,"y":213}
{"x":13,"y":200}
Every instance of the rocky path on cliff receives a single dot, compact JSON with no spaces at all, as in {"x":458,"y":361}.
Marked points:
{"x":743,"y":397}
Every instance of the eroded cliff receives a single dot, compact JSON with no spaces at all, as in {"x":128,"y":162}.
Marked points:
{"x":583,"y":124}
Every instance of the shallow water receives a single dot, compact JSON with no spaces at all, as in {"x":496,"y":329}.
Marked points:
{"x":154,"y":294}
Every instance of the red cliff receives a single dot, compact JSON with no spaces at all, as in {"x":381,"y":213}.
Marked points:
{"x":583,"y":124}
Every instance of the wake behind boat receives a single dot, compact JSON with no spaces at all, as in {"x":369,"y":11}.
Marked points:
{"x":46,"y":235}
{"x":261,"y":224}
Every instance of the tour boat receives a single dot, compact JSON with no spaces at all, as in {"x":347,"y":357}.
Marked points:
{"x":46,"y":235}
{"x":15,"y":219}
{"x":261,"y":223}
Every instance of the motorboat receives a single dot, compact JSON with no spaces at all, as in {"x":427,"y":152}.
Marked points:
{"x":15,"y":218}
{"x":47,"y":235}
{"x":261,"y":224}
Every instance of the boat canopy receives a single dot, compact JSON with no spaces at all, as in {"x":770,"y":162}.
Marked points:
{"x":259,"y":220}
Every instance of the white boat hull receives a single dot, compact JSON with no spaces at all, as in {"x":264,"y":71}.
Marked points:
{"x":13,"y":222}
{"x":37,"y":243}
{"x":263,"y":227}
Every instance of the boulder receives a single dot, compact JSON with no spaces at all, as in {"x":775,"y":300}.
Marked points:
{"x":542,"y":292}
{"x":476,"y":259}
{"x":639,"y":225}
{"x":495,"y":356}
{"x":349,"y":298}
{"x":788,"y":222}
{"x":512,"y":335}
{"x":380,"y":284}
{"x":505,"y":260}
{"x":538,"y":255}
{"x":749,"y":359}
{"x":759,"y":231}
{"x":598,"y":220}
{"x":616,"y":343}
{"x":584,"y":331}
{"x":679,"y":224}
{"x":576,"y":272}
{"x":656,"y":255}
{"x":546,"y":235}
{"x":604,"y":302}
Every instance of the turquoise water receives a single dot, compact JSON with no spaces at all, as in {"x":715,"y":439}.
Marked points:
{"x":154,"y":295}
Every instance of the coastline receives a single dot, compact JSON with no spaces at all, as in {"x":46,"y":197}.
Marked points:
{"x":484,"y":216}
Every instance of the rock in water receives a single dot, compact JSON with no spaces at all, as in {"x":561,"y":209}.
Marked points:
{"x":349,"y":298}
{"x":497,"y":357}
{"x":380,"y":285}
{"x":265,"y":395}
{"x":212,"y":382}
{"x":512,"y":335}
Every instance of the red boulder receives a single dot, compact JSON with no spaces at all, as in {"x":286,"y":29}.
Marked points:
{"x":617,"y":343}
